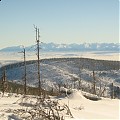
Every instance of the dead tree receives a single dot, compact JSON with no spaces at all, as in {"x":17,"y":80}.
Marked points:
{"x":25,"y":79}
{"x":25,"y":86}
{"x":80,"y":83}
{"x":100,"y":89}
{"x":38,"y":61}
{"x":112,"y":91}
{"x":94,"y":83}
{"x":79,"y":80}
{"x":59,"y":87}
{"x":4,"y":82}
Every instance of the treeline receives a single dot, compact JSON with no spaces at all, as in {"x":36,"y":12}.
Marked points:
{"x":85,"y":62}
{"x":12,"y":87}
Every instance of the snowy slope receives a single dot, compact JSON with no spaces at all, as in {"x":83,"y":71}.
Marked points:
{"x":15,"y":107}
{"x":67,"y":72}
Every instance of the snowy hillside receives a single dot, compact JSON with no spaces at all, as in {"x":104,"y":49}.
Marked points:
{"x":67,"y":72}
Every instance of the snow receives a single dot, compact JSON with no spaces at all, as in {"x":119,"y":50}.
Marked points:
{"x":64,"y":72}
{"x":80,"y":107}
{"x":83,"y":108}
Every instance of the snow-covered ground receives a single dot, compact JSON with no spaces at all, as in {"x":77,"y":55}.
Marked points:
{"x":80,"y":107}
{"x":68,"y":72}
{"x":83,"y":108}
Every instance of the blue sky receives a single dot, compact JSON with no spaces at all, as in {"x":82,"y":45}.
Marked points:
{"x":60,"y":21}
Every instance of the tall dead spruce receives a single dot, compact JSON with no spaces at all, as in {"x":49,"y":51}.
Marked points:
{"x":4,"y":81}
{"x":38,"y":56}
{"x":94,"y":83}
{"x":25,"y":79}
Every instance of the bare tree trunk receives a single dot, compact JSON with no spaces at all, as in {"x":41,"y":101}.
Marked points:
{"x":112,"y":91}
{"x":4,"y":82}
{"x":38,"y":56}
{"x":25,"y":72}
{"x":94,"y":83}
{"x":100,"y":90}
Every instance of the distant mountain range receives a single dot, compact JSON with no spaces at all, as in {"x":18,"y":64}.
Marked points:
{"x":68,"y":47}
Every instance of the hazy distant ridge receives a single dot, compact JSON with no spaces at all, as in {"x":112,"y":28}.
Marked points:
{"x":68,"y":47}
